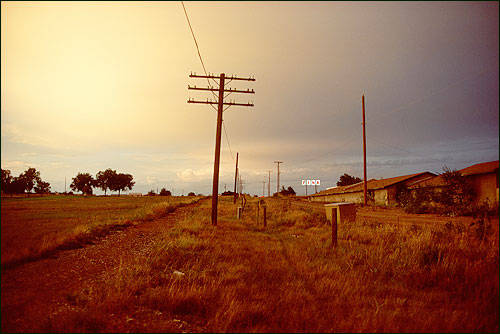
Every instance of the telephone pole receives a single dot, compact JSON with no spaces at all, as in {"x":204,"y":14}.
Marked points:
{"x":269,"y":185}
{"x":365,"y":190}
{"x":263,"y":186}
{"x":235,"y":179}
{"x":278,"y":185}
{"x":220,"y":103}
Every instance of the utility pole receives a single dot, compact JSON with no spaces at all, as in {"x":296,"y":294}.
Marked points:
{"x":235,"y":179}
{"x":269,"y":185}
{"x":365,"y":190}
{"x":263,"y":185}
{"x":278,"y":185}
{"x":220,"y":103}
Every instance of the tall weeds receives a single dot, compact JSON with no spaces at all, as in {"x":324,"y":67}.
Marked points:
{"x":240,"y":277}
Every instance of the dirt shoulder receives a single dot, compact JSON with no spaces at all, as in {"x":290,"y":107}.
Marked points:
{"x":35,"y":290}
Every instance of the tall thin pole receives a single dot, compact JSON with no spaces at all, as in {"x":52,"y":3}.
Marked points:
{"x":215,"y":187}
{"x":263,"y":186}
{"x":278,"y":184}
{"x":365,"y":190}
{"x":269,"y":185}
{"x":235,"y":179}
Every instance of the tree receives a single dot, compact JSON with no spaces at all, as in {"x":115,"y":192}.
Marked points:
{"x":83,"y":182}
{"x":17,"y":186}
{"x":165,"y":192}
{"x":458,"y":195}
{"x":191,"y":194}
{"x":287,"y":192}
{"x":30,"y":177}
{"x":42,"y":187}
{"x":121,"y":182}
{"x":347,"y":179}
{"x":106,"y":180}
{"x":6,"y":180}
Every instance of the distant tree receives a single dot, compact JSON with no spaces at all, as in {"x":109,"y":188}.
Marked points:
{"x":287,"y":192}
{"x":6,"y":180}
{"x":30,"y":177}
{"x":191,"y":194}
{"x":17,"y":186}
{"x":83,"y":182}
{"x":42,"y":187}
{"x":165,"y":192}
{"x":106,"y":180}
{"x":347,"y":179}
{"x":121,"y":182}
{"x":151,"y":193}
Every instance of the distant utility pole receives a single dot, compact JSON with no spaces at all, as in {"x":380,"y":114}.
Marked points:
{"x":365,"y":190}
{"x":220,"y":103}
{"x":263,"y":186}
{"x":278,"y":185}
{"x":269,"y":185}
{"x":235,"y":179}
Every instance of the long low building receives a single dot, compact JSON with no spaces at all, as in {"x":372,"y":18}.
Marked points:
{"x":483,"y":178}
{"x":380,"y":192}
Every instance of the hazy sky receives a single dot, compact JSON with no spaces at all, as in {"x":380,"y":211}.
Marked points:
{"x":93,"y":85}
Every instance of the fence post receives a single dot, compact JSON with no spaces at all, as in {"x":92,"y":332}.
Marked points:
{"x":265,"y":218}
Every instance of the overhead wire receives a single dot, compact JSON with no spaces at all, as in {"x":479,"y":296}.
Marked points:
{"x":206,"y":74}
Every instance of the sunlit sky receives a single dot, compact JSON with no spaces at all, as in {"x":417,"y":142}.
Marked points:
{"x":87,"y":86}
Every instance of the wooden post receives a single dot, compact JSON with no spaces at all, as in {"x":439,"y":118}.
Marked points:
{"x":235,"y":179}
{"x":265,"y":218}
{"x":334,"y":227}
{"x":364,"y":156}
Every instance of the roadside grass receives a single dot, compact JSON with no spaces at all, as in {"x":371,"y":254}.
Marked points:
{"x":35,"y":227}
{"x":240,"y":277}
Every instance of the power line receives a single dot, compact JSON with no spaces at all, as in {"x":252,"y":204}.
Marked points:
{"x":405,"y":150}
{"x":227,"y":139}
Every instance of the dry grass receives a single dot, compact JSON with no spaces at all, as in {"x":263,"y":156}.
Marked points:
{"x":34,"y":227}
{"x":238,"y":277}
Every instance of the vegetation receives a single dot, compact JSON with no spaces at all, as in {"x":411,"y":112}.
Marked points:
{"x":35,"y":227}
{"x":165,"y":192}
{"x":455,"y":198}
{"x":347,"y":179}
{"x":285,"y":192}
{"x":108,"y":179}
{"x":240,"y":277}
{"x":26,"y":182}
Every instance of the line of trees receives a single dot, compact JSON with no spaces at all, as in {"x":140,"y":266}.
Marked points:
{"x":27,"y":181}
{"x":104,"y":180}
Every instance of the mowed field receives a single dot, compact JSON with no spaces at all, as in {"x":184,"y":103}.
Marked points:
{"x":391,"y":272}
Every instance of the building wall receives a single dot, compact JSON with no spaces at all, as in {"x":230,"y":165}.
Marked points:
{"x":355,"y":197}
{"x":485,"y":187}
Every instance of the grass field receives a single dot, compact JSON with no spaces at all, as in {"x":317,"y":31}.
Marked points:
{"x":32,"y":227}
{"x":240,"y":277}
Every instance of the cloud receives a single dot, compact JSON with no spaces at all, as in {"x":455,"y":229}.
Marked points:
{"x":189,"y":175}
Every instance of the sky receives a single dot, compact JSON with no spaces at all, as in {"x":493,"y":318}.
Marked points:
{"x":87,"y":86}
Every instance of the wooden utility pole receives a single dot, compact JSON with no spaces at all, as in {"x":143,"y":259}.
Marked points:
{"x":365,"y":190}
{"x":235,"y":179}
{"x":220,"y":103}
{"x":278,"y":185}
{"x":269,"y":185}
